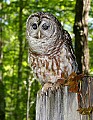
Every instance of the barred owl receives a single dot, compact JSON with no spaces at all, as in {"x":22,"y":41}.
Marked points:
{"x":50,"y":48}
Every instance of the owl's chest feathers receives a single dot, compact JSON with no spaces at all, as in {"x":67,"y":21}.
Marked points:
{"x":52,"y":68}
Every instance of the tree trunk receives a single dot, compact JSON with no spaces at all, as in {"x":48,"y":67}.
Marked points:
{"x":57,"y":105}
{"x":20,"y":56}
{"x":81,"y":34}
{"x":2,"y":95}
{"x":86,"y":100}
{"x":20,"y":38}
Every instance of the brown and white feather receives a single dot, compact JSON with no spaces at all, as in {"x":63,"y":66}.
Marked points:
{"x":52,"y":54}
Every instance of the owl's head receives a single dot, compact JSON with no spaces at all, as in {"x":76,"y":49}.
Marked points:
{"x":43,"y":32}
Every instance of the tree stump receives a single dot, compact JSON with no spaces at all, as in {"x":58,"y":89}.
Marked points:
{"x":57,"y":105}
{"x":63,"y":105}
{"x":86,"y":101}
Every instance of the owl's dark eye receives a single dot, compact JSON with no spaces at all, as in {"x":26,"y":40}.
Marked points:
{"x":34,"y":26}
{"x":45,"y":26}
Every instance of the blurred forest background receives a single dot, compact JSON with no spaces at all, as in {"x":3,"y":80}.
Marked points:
{"x":18,"y":87}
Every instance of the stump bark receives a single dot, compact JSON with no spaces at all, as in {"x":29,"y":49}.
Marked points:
{"x":57,"y":105}
{"x":63,"y":105}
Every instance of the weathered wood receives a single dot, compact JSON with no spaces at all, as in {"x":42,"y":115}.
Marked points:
{"x":87,"y":96}
{"x":57,"y":105}
{"x":63,"y":105}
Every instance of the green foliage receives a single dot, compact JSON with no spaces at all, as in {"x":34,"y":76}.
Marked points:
{"x":16,"y":90}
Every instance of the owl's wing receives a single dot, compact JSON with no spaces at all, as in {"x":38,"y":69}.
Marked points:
{"x":69,"y":47}
{"x":68,"y":43}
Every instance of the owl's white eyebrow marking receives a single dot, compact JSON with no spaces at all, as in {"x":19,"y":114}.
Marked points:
{"x":46,"y":17}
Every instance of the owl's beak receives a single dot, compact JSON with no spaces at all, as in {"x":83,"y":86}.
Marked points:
{"x":39,"y":34}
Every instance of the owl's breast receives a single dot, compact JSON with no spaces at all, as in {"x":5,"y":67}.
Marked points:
{"x":50,"y":69}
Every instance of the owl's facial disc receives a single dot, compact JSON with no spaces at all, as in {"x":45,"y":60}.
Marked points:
{"x":42,"y":33}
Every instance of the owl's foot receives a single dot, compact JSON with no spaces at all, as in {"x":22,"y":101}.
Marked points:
{"x":47,"y":86}
{"x":52,"y":86}
{"x":58,"y":84}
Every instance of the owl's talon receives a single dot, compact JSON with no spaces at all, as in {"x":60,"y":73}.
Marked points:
{"x":51,"y":87}
{"x":57,"y":85}
{"x":47,"y":86}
